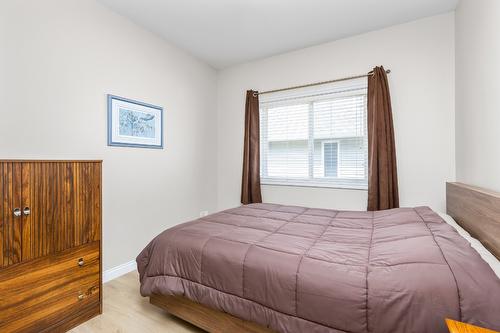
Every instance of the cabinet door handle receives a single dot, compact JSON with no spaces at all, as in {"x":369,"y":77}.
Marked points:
{"x":17,"y":212}
{"x":81,"y":296}
{"x":27,"y":211}
{"x":81,"y":262}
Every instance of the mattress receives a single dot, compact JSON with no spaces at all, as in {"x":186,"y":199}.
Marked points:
{"x":298,"y":269}
{"x":486,"y":255}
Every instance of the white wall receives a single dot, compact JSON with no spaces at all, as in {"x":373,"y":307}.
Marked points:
{"x":477,"y":98}
{"x":58,"y":60}
{"x":421,"y":57}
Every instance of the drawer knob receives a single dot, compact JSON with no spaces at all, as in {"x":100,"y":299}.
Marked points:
{"x":81,"y":297}
{"x":17,"y":212}
{"x":91,"y":290}
{"x":81,"y":262}
{"x":26,"y":211}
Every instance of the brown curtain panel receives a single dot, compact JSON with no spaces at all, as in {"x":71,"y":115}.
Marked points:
{"x":250,"y":184}
{"x":382,"y":171}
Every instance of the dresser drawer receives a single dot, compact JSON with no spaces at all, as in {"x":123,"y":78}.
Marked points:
{"x":40,"y":293}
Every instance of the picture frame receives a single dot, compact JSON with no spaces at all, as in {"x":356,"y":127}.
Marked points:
{"x":133,"y":123}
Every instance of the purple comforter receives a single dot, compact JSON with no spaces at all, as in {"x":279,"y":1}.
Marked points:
{"x":297,"y":269}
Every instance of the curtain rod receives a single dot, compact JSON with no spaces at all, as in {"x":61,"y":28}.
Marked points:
{"x":318,"y":83}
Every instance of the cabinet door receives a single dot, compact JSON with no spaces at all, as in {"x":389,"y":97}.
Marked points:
{"x":65,"y":204}
{"x":59,"y":204}
{"x":10,"y":223}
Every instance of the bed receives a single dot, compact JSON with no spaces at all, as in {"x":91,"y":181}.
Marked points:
{"x":274,"y":268}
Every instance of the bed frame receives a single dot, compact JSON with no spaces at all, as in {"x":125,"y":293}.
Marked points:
{"x":476,"y":210}
{"x":204,"y":317}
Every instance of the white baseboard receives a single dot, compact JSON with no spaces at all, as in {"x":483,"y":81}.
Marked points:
{"x":113,"y":273}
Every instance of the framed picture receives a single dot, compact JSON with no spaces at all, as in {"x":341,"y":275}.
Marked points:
{"x":134,"y":124}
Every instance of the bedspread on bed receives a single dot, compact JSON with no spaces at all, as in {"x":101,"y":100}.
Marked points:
{"x":297,"y":269}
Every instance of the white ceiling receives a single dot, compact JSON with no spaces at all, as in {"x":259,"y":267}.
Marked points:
{"x":228,"y":32}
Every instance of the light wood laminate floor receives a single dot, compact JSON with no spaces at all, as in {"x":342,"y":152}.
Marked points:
{"x":125,"y":310}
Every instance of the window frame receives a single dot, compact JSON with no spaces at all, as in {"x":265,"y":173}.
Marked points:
{"x":311,"y":181}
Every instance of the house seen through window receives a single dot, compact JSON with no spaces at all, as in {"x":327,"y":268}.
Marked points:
{"x":315,"y":137}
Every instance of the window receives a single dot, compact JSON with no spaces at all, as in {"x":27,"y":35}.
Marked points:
{"x":330,"y":156}
{"x":315,"y":137}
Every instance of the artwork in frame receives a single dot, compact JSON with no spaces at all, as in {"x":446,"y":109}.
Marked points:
{"x":134,"y":124}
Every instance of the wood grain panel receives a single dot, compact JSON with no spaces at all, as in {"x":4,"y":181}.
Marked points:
{"x":459,"y":327}
{"x":16,"y":244}
{"x":65,"y":206}
{"x":34,"y":292}
{"x":40,"y":279}
{"x":38,"y":199}
{"x":69,"y":201}
{"x":8,"y":218}
{"x":86,"y":194}
{"x":3,"y":222}
{"x":205,"y":317}
{"x":11,"y":227}
{"x":73,"y":319}
{"x":478,"y":211}
{"x":27,"y":220}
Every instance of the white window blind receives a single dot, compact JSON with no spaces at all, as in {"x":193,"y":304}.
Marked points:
{"x":315,"y":136}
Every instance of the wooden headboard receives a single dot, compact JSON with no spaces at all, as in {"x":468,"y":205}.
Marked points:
{"x":476,"y":210}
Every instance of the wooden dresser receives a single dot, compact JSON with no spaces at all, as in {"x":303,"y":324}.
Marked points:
{"x":50,"y":244}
